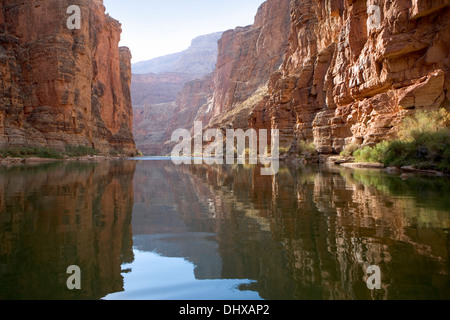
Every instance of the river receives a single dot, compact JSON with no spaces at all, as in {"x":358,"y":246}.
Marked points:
{"x":148,"y":229}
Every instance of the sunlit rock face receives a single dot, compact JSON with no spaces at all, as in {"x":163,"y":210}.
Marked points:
{"x":199,"y":59}
{"x":330,"y":72}
{"x":247,"y":56}
{"x":60,"y":86}
{"x":354,"y":69}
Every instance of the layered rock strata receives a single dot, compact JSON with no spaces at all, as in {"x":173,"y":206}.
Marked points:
{"x":334,"y":72}
{"x":61,"y":87}
{"x":354,"y":69}
{"x":247,"y":56}
{"x":155,"y":94}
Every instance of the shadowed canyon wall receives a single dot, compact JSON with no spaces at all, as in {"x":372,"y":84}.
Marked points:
{"x":61,"y":87}
{"x":154,"y":97}
{"x":158,"y":82}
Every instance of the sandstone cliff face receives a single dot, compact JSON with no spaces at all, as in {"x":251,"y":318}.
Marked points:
{"x":193,"y":104}
{"x":154,"y":97}
{"x":63,"y":87}
{"x":148,"y":89}
{"x":247,"y":56}
{"x":350,"y":71}
{"x":348,"y":78}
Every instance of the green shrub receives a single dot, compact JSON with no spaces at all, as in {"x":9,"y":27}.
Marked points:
{"x":30,"y":152}
{"x":423,"y":122}
{"x":80,"y":151}
{"x":71,"y":151}
{"x":113,"y":153}
{"x":305,"y":148}
{"x":444,"y":165}
{"x":424,"y":142}
{"x":350,"y":149}
{"x":372,"y":154}
{"x":398,"y":153}
{"x":48,"y":153}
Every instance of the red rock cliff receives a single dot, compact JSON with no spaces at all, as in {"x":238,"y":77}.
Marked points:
{"x":247,"y":56}
{"x":61,"y":87}
{"x":336,"y":72}
{"x":352,"y":71}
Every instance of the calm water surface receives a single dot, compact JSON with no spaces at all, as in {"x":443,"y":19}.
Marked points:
{"x":153,"y":230}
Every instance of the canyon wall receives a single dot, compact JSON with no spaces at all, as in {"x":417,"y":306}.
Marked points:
{"x":154,"y":97}
{"x":61,"y":87}
{"x":155,"y":94}
{"x":354,"y":69}
{"x":247,"y":56}
{"x":330,"y":72}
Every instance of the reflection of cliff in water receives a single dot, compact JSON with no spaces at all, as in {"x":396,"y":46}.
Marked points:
{"x":303,"y":234}
{"x":158,"y":225}
{"x":54,"y":216}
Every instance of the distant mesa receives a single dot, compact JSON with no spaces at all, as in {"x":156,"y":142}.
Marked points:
{"x":199,"y":59}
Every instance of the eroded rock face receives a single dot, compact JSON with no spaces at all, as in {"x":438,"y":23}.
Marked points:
{"x":193,"y":104}
{"x":247,"y":56}
{"x":63,"y":87}
{"x":348,"y":78}
{"x":351,"y":70}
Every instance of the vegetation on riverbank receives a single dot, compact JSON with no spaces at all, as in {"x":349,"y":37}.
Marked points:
{"x":47,"y":153}
{"x":423,"y":142}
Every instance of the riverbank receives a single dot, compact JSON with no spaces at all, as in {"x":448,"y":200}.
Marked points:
{"x":403,"y":171}
{"x":347,"y":162}
{"x":352,"y":163}
{"x":8,"y":161}
{"x":36,"y":155}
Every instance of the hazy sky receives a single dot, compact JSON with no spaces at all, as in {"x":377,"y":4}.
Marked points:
{"x":153,"y":28}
